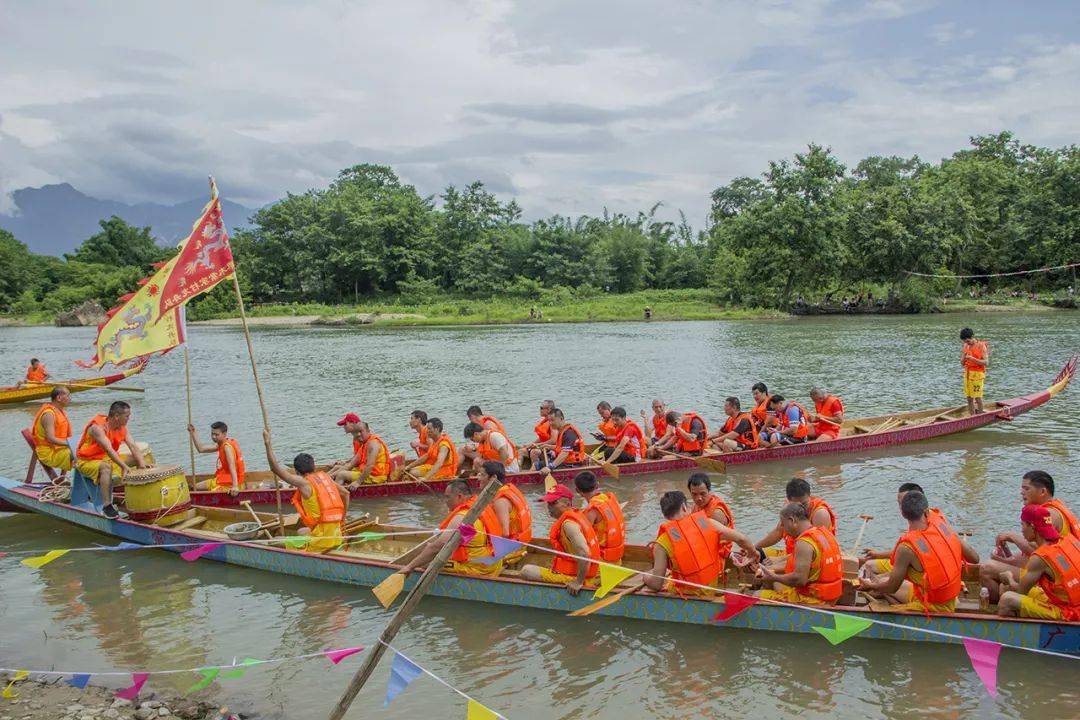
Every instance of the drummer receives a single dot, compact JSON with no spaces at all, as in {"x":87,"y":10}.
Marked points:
{"x":229,"y":474}
{"x":96,"y":454}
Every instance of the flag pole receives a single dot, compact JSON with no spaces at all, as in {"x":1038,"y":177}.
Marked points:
{"x":190,"y":422}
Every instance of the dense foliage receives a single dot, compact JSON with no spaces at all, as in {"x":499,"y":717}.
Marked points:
{"x":806,"y":227}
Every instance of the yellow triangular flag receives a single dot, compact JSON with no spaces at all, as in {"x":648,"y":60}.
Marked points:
{"x":388,"y":590}
{"x":477,"y":711}
{"x":610,"y":576}
{"x":19,"y":675}
{"x":37,"y":562}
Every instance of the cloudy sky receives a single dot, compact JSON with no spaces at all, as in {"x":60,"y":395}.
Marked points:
{"x":570,"y":107}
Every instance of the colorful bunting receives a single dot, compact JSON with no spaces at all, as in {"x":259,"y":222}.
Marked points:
{"x":79,"y":680}
{"x":610,"y":576}
{"x":402,"y":672}
{"x":240,"y":669}
{"x":208,"y":676}
{"x":477,"y":711}
{"x":19,"y":676}
{"x":296,"y":542}
{"x":370,"y":536}
{"x":193,"y":555}
{"x":844,"y":627}
{"x":337,"y":656}
{"x":37,"y":562}
{"x":983,"y":655}
{"x":468,"y":532}
{"x":503,"y":547}
{"x":733,"y":605}
{"x":137,"y":681}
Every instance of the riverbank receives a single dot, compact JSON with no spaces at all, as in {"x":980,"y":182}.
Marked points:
{"x":57,"y":700}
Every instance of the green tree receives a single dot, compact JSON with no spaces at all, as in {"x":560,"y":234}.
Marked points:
{"x":120,"y":244}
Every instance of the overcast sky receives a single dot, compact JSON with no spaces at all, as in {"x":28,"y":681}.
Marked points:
{"x":570,"y":107}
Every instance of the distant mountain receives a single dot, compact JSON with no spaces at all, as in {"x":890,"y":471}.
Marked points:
{"x":54,"y":219}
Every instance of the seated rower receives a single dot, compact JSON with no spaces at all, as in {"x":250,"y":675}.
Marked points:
{"x":322,"y":503}
{"x":827,"y":416}
{"x":569,"y":446}
{"x":51,"y":430}
{"x":418,"y":422}
{"x":511,"y":507}
{"x":36,"y":372}
{"x":927,"y":562}
{"x":545,"y":438}
{"x":762,"y":414}
{"x":1036,"y":488}
{"x":606,"y":427}
{"x":819,"y":512}
{"x":229,"y":473}
{"x":879,"y":561}
{"x":1049,"y":586}
{"x":792,"y":423}
{"x":441,"y":460}
{"x":96,"y":455}
{"x":469,"y":451}
{"x":714,"y":508}
{"x":573,"y":534}
{"x":688,"y":547}
{"x":656,"y":429}
{"x":814,"y":571}
{"x":460,"y":497}
{"x":350,"y":425}
{"x":739,"y":431}
{"x":629,"y":440}
{"x":689,"y":433}
{"x":370,"y":465}
{"x":490,"y":444}
{"x":604,"y":512}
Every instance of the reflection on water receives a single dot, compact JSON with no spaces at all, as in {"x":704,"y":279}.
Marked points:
{"x":139,"y":610}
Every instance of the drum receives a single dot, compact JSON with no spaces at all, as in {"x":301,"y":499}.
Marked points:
{"x":158,"y":495}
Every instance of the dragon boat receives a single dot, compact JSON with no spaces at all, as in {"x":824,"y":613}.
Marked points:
{"x":38,"y":391}
{"x":372,"y":561}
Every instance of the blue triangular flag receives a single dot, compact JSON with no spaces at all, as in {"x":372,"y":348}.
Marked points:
{"x":79,"y":680}
{"x":502,"y":546}
{"x":402,"y":672}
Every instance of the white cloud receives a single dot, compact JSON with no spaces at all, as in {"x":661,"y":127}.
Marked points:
{"x":945,"y":33}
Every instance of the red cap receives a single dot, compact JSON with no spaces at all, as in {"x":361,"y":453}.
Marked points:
{"x":350,"y":418}
{"x":557,"y":492}
{"x":1039,"y":518}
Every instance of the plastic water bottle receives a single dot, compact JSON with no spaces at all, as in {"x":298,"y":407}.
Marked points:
{"x":984,"y":599}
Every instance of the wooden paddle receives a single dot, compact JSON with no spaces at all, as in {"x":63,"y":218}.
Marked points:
{"x":611,"y":599}
{"x":114,"y":388}
{"x":858,"y":539}
{"x":710,"y":464}
{"x":388,"y":590}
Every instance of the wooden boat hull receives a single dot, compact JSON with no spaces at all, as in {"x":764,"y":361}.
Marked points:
{"x":1002,"y":411}
{"x":1058,"y":637}
{"x":10,"y":395}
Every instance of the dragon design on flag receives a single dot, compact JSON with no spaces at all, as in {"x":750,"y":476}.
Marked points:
{"x":214,"y":238}
{"x":134,"y":326}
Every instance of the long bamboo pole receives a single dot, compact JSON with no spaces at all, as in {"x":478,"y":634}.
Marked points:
{"x":409,"y":604}
{"x":190,"y":422}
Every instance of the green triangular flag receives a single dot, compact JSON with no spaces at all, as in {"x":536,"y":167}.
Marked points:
{"x":208,"y":676}
{"x":296,"y":542}
{"x":241,"y":668}
{"x":610,"y":576}
{"x":844,"y":627}
{"x":366,"y":536}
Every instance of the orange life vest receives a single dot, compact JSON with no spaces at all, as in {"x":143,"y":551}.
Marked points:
{"x":422,"y":440}
{"x":695,"y":549}
{"x":760,"y":413}
{"x":608,"y":430}
{"x":486,"y":420}
{"x":816,"y":504}
{"x":449,"y":467}
{"x":728,"y":518}
{"x":486,"y":525}
{"x":942,"y":561}
{"x":221,"y":474}
{"x":88,"y":448}
{"x":36,"y":374}
{"x":61,"y":425}
{"x":520,"y":513}
{"x":659,"y":426}
{"x":829,"y":563}
{"x":331,"y":507}
{"x":488,"y":451}
{"x":568,"y":566}
{"x":977,"y":351}
{"x":613,"y":541}
{"x":542,"y":430}
{"x":748,"y":438}
{"x":381,"y":468}
{"x":831,"y":407}
{"x":682,"y":445}
{"x":1070,"y":525}
{"x":575,"y":455}
{"x":636,"y":444}
{"x":1063,"y":557}
{"x":783,"y":423}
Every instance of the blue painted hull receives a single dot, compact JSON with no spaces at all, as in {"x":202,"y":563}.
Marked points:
{"x":1057,"y":637}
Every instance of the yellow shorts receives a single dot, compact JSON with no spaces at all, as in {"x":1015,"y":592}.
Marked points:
{"x":1036,"y":605}
{"x":354,"y":476}
{"x":559,"y":579}
{"x":881,"y":566}
{"x":419,"y":471}
{"x":54,"y":457}
{"x":477,"y":569}
{"x":973,"y":384}
{"x":916,"y":606}
{"x":687,"y":590}
{"x":226,"y":487}
{"x":90,"y":468}
{"x":791,"y":595}
{"x":324,"y":537}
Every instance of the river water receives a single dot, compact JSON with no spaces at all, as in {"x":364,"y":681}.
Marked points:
{"x":148,"y":610}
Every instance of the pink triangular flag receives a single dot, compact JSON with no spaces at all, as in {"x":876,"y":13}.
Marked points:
{"x":468,"y":532}
{"x":337,"y":656}
{"x":193,"y":555}
{"x":733,"y":605}
{"x":983,"y":655}
{"x":137,"y":681}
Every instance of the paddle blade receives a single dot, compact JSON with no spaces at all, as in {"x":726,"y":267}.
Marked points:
{"x":714,"y":466}
{"x":395,"y":474}
{"x":549,"y":483}
{"x":388,"y":590}
{"x":601,"y":604}
{"x":611,"y":469}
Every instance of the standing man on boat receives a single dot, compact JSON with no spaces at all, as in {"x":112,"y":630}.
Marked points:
{"x":656,"y":428}
{"x":97,"y":457}
{"x":370,"y":465}
{"x":545,"y":437}
{"x":491,"y":444}
{"x":974,"y":358}
{"x":51,"y":430}
{"x":459,"y":498}
{"x":814,"y":571}
{"x":418,"y":422}
{"x":569,"y":447}
{"x":572,"y":534}
{"x":739,"y":431}
{"x":629,"y":440}
{"x":512,"y":509}
{"x":819,"y":512}
{"x":828,"y":415}
{"x":1049,"y":586}
{"x":322,"y":504}
{"x":441,"y":460}
{"x":229,"y":474}
{"x":603,"y":510}
{"x":689,"y":432}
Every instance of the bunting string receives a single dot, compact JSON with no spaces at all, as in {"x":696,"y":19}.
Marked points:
{"x":992,"y":275}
